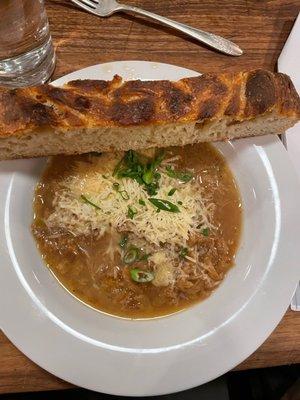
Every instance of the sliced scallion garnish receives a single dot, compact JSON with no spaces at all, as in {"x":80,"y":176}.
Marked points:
{"x":183,"y":176}
{"x":131,"y":212}
{"x":172,"y":191}
{"x":183,"y":252}
{"x":141,"y":169}
{"x":140,"y":276}
{"x":124,"y":194}
{"x":148,"y":176}
{"x":86,"y":200}
{"x":164,"y":205}
{"x":131,"y":255}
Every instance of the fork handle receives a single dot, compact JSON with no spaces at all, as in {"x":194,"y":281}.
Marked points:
{"x":215,"y":41}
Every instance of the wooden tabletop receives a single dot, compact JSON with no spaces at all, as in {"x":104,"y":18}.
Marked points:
{"x":80,"y":39}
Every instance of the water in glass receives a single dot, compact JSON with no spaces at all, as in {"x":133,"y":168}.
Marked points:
{"x":26,"y":52}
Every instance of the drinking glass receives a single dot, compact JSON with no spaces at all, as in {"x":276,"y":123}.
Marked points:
{"x":26,"y":52}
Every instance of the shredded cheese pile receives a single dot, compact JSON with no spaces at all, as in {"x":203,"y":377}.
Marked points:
{"x":94,"y":180}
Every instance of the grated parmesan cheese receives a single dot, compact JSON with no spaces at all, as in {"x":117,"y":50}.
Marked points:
{"x":94,"y":180}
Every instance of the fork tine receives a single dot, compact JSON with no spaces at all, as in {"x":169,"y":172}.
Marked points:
{"x":94,"y":2}
{"x":86,"y":5}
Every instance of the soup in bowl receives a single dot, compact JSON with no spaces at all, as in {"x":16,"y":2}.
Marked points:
{"x":139,"y":234}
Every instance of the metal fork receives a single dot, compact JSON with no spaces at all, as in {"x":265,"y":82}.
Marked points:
{"x":105,"y":8}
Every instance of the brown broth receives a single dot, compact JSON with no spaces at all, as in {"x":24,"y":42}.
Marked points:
{"x":81,"y":266}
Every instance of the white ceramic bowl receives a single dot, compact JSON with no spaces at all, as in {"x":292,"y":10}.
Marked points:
{"x":169,"y":354}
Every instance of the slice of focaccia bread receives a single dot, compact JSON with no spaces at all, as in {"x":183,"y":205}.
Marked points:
{"x":91,"y":115}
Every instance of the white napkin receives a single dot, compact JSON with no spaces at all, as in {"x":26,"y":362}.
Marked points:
{"x":289,"y":63}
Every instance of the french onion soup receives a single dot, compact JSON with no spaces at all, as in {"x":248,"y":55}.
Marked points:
{"x":139,"y":234}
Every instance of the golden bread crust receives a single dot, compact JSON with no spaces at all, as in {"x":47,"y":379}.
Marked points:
{"x":91,"y":103}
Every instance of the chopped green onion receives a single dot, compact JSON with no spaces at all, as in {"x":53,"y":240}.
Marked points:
{"x":123,"y":241}
{"x":124,"y":194}
{"x":104,"y":176}
{"x":172,"y":191}
{"x":134,"y":166}
{"x":131,"y":157}
{"x":170,"y":171}
{"x":86,"y":200}
{"x":205,"y":232}
{"x":183,"y":252}
{"x":152,"y":189}
{"x":131,"y":212}
{"x":140,"y":276}
{"x":179,"y":202}
{"x":183,"y":176}
{"x":131,"y":255}
{"x":148,"y":176}
{"x":117,"y":168}
{"x":141,"y":202}
{"x":158,"y":159}
{"x":164,"y":205}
